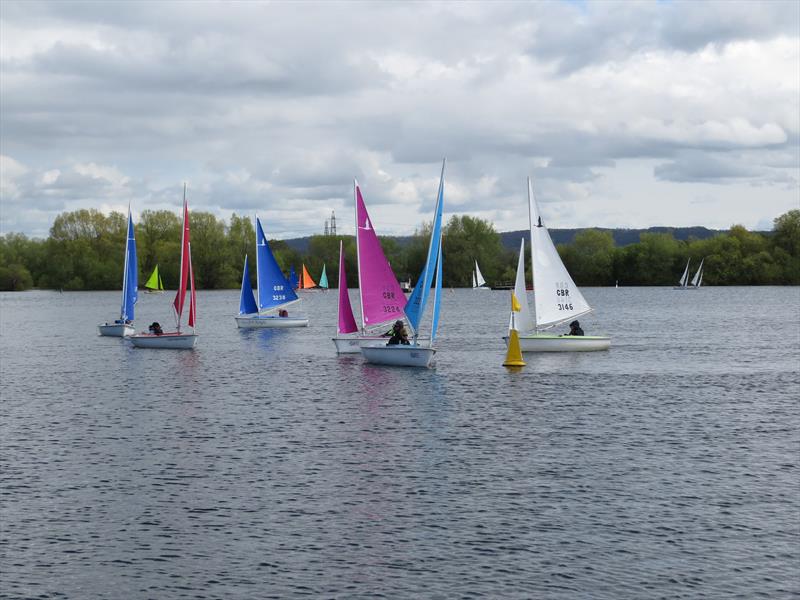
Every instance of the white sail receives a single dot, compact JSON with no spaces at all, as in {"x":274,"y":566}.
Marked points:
{"x":685,"y":276}
{"x":474,"y":280}
{"x":521,"y":321}
{"x":699,"y":275}
{"x":479,"y":280}
{"x":700,"y":282}
{"x":557,"y":297}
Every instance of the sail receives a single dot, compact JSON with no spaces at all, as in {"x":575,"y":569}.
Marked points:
{"x":419,"y":297}
{"x":305,"y":279}
{"x":479,"y":280}
{"x":382,"y":299}
{"x":474,"y":280}
{"x":323,"y":279}
{"x":521,"y":320}
{"x":700,"y":281}
{"x":247,"y":303}
{"x":180,"y":296}
{"x":293,"y":281}
{"x":273,"y":289}
{"x":685,"y":276}
{"x":557,"y":297}
{"x":437,"y":295}
{"x":192,"y":296}
{"x":698,"y":275}
{"x":154,"y":282}
{"x":130,"y":279}
{"x":347,"y":323}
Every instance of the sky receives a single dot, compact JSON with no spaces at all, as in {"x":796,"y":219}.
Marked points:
{"x":625,"y":114}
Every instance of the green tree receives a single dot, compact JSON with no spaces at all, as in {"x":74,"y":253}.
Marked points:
{"x":466,"y":240}
{"x":590,"y":257}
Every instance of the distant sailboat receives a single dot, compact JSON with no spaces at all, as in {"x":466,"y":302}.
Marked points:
{"x":478,"y":282}
{"x":294,"y":283}
{"x":697,"y":280}
{"x":380,"y":297}
{"x":557,"y":298}
{"x":419,"y":353}
{"x":154,"y":285}
{"x":275,"y":294}
{"x":130,"y":284}
{"x":306,"y":281}
{"x":323,"y":279}
{"x":177,"y":339}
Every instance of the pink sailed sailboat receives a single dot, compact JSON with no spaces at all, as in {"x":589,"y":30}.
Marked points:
{"x":177,"y":338}
{"x":380,"y":296}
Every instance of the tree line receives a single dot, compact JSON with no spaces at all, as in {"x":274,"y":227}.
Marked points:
{"x":84,"y":251}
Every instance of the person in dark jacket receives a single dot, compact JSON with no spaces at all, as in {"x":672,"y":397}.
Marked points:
{"x":399,"y":334}
{"x":155,"y":328}
{"x":575,"y":328}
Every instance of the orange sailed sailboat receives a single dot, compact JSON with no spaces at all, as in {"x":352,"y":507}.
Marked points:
{"x":306,"y":282}
{"x":176,"y":339}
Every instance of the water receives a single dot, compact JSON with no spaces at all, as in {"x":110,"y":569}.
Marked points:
{"x":262,"y":465}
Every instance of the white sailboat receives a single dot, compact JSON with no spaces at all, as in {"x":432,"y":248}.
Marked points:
{"x":697,"y":280}
{"x":275,"y":293}
{"x":557,"y":298}
{"x":418,"y":353}
{"x":478,"y":282}
{"x":177,"y":339}
{"x":130,"y":289}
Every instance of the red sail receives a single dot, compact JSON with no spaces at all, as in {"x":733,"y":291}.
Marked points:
{"x":192,"y":297}
{"x":185,"y":264}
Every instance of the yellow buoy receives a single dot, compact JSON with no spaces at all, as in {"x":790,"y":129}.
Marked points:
{"x":514,"y":353}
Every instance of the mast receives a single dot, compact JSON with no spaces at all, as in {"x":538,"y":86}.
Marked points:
{"x":358,"y":257}
{"x":533,"y":262}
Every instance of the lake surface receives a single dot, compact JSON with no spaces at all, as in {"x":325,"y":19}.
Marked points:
{"x":261,"y":465}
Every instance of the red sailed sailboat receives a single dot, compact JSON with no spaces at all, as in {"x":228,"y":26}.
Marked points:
{"x":156,"y":338}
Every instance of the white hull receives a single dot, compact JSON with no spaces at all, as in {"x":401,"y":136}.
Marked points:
{"x":116,"y":329}
{"x":262,"y":321}
{"x":179,"y":341}
{"x":398,"y":355}
{"x":352,"y":344}
{"x":562,"y":343}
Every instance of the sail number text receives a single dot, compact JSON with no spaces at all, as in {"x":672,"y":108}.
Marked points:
{"x":278,"y":296}
{"x":563,"y":293}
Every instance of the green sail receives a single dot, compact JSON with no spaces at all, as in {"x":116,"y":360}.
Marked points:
{"x":154,"y":283}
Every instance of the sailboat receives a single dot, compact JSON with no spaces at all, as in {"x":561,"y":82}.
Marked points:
{"x":154,"y":285}
{"x":130,"y":284}
{"x":177,"y":339}
{"x":294,"y":283}
{"x":683,"y":283}
{"x":697,"y":280}
{"x":306,"y":281}
{"x":275,"y":293}
{"x":478,"y":282}
{"x":380,"y":297}
{"x":323,"y":279}
{"x":557,"y":298}
{"x":419,"y":353}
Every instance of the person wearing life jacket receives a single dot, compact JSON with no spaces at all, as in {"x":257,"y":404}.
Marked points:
{"x":399,"y":334}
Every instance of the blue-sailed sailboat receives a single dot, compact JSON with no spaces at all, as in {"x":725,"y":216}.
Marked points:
{"x":294,"y":282}
{"x":274,"y":292}
{"x":419,"y":352}
{"x":130,"y":289}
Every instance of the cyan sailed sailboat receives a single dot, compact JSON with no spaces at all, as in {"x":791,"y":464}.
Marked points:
{"x":130,"y":292}
{"x":323,"y":279}
{"x":419,"y":353}
{"x":380,"y":296}
{"x":275,"y":293}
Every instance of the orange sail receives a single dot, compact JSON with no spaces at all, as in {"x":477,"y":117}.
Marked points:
{"x":305,"y":280}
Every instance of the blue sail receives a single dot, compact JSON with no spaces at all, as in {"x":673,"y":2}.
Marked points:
{"x":273,"y":289}
{"x":247,"y":303}
{"x":419,"y":297}
{"x":437,"y":295}
{"x":293,"y":280}
{"x":130,"y":283}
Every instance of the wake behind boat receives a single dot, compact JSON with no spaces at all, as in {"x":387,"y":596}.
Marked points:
{"x":275,"y":293}
{"x":130,"y":294}
{"x":418,"y":353}
{"x":557,"y":298}
{"x":176,"y":339}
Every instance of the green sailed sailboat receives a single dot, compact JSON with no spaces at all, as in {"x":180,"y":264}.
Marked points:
{"x":154,"y":285}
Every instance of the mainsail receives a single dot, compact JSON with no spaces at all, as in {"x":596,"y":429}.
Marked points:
{"x":382,"y":299}
{"x":154,"y":282}
{"x":699,"y":275}
{"x":323,"y":279}
{"x":186,"y":258}
{"x":130,"y":277}
{"x":685,"y":276}
{"x":479,"y":280}
{"x":557,"y":297}
{"x":273,"y":289}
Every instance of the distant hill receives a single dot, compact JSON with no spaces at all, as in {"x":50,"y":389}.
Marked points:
{"x":510,"y":239}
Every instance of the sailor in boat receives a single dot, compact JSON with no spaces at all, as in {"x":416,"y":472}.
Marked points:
{"x":155,"y":328}
{"x":283,"y":313}
{"x":575,"y":328}
{"x":399,"y":334}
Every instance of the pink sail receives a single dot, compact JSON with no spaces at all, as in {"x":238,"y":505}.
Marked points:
{"x":347,"y":323}
{"x":185,"y":262}
{"x":382,"y":299}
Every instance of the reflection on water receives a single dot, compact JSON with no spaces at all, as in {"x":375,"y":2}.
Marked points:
{"x":262,"y":464}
